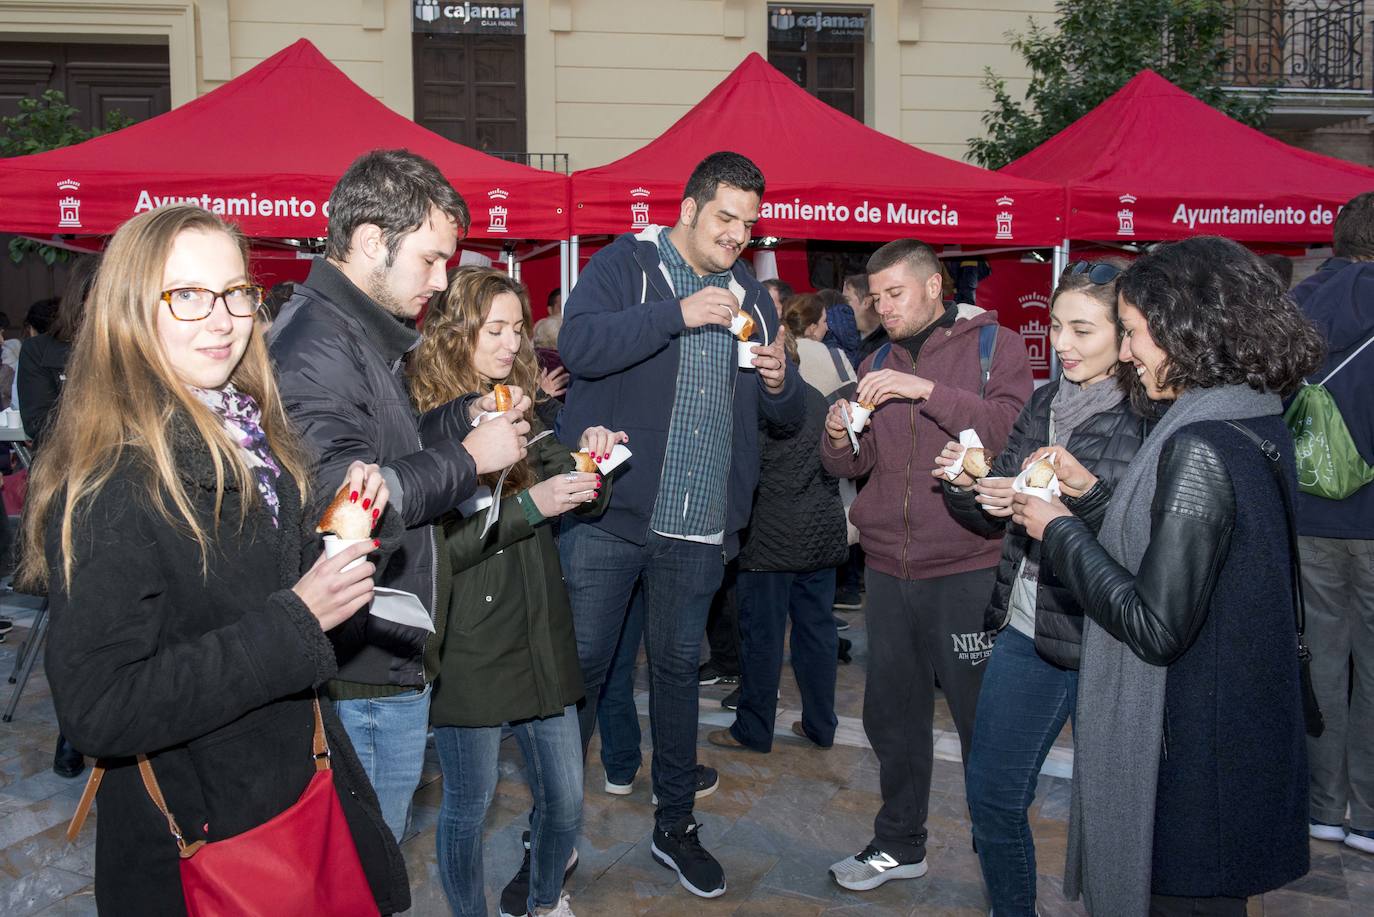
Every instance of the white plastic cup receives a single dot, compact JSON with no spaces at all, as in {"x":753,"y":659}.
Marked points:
{"x":858,"y":416}
{"x":746,"y":354}
{"x":1044,"y":493}
{"x":334,"y":546}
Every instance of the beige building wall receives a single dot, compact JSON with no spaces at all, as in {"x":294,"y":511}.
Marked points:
{"x":603,"y":77}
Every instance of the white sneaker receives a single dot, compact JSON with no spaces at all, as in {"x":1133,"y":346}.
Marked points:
{"x":619,"y":789}
{"x":872,"y":868}
{"x":1361,"y":841}
{"x":564,"y":909}
{"x":1322,"y":832}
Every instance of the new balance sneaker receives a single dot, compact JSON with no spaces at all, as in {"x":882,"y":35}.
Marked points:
{"x":872,"y":868}
{"x":711,"y":674}
{"x":1324,"y":832}
{"x":707,"y":783}
{"x":516,"y":895}
{"x":1362,"y":841}
{"x":680,"y":850}
{"x":619,"y":789}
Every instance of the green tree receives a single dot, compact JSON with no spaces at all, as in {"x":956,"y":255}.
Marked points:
{"x":1093,"y":50}
{"x":47,"y":123}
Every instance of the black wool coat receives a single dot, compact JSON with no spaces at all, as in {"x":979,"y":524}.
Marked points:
{"x":211,"y":675}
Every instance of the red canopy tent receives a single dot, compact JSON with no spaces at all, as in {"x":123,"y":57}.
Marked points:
{"x":828,"y":176}
{"x":1152,"y":162}
{"x":264,"y":150}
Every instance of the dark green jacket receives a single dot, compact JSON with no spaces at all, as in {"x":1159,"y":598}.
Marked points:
{"x":509,"y":652}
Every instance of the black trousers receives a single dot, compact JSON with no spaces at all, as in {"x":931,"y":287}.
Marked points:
{"x":918,"y":630}
{"x":722,"y":625}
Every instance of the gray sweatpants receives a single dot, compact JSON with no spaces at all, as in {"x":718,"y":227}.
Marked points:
{"x":917,"y":630}
{"x":1338,"y":581}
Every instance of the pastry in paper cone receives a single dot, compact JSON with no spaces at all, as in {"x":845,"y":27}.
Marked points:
{"x":1040,"y":474}
{"x":503,"y":399}
{"x":867,"y":406}
{"x":746,"y":330}
{"x":582,"y":461}
{"x":345,"y":519}
{"x":976,"y":462}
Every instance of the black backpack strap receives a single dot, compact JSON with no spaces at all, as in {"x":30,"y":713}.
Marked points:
{"x":987,"y":346}
{"x":840,"y":372}
{"x":879,"y":356}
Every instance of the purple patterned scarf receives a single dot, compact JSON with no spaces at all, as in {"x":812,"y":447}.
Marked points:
{"x":242,"y":419}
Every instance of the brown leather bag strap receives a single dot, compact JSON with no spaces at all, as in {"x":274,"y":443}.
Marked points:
{"x":83,"y":808}
{"x":145,"y":770}
{"x":320,"y":747}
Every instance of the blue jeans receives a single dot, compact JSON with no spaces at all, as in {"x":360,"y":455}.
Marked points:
{"x":553,"y":767}
{"x":1021,"y":710}
{"x":766,"y":601}
{"x":678,"y":579}
{"x":617,"y":716}
{"x":389,"y":735}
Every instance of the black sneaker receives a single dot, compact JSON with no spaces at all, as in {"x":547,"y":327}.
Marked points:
{"x":708,"y":780}
{"x":731,"y":700}
{"x":847,"y":600}
{"x":680,"y":850}
{"x":708,"y":674}
{"x":842,"y":650}
{"x":840,"y":623}
{"x":516,"y":896}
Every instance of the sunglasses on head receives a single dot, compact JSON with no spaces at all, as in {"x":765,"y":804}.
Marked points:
{"x":1099,"y":272}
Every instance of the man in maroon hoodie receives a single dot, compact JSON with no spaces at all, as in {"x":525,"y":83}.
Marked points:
{"x":928,"y":577}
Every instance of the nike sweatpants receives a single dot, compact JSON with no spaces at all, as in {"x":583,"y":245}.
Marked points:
{"x":918,"y":630}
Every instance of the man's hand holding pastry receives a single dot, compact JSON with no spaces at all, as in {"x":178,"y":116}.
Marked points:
{"x":498,"y":443}
{"x":709,"y":306}
{"x":771,"y":363}
{"x":886,"y":384}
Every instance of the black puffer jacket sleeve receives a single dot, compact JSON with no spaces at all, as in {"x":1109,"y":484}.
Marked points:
{"x":1092,"y":506}
{"x":1158,"y":612}
{"x":963,"y":504}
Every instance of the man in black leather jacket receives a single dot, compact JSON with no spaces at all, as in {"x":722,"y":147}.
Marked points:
{"x":339,"y":346}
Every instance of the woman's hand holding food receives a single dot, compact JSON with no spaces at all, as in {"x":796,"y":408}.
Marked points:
{"x":519,"y":402}
{"x":367,"y":488}
{"x":556,"y":495}
{"x":333,"y":594}
{"x":1074,"y":479}
{"x":994,"y":496}
{"x":1034,"y":513}
{"x":599,"y":441}
{"x":952,"y":454}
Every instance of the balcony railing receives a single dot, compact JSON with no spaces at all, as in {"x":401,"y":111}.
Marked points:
{"x":554,"y":162}
{"x":1313,"y":45}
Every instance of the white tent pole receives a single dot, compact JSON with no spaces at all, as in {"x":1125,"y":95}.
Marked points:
{"x":563,"y":271}
{"x":510,"y":263}
{"x":575,"y":254}
{"x":1060,"y":261}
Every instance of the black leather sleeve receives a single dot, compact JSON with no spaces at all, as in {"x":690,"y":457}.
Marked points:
{"x":963,"y":503}
{"x":1158,"y":612}
{"x":1092,"y":506}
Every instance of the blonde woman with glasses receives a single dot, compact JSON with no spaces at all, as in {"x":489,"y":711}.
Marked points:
{"x":165,"y":522}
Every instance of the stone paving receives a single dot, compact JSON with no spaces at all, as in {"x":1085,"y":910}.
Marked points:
{"x":776,"y":823}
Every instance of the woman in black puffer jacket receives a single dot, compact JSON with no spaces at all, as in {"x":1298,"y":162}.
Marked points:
{"x":787,"y":561}
{"x":1031,"y":684}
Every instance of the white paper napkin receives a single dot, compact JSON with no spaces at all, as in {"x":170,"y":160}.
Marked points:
{"x":968,"y":439}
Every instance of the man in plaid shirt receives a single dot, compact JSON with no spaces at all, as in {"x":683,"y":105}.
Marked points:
{"x":646,"y":338}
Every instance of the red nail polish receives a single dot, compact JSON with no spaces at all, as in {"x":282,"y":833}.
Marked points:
{"x":375,"y":514}
{"x":366,"y":504}
{"x":353,"y":497}
{"x":376,"y":543}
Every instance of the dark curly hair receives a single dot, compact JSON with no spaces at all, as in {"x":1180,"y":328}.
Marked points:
{"x":1222,"y":317}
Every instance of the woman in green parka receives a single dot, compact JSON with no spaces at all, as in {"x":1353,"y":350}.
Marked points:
{"x":509,"y":657}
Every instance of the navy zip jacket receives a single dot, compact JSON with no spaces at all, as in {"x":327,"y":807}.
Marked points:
{"x":619,"y":342}
{"x":1339,"y":300}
